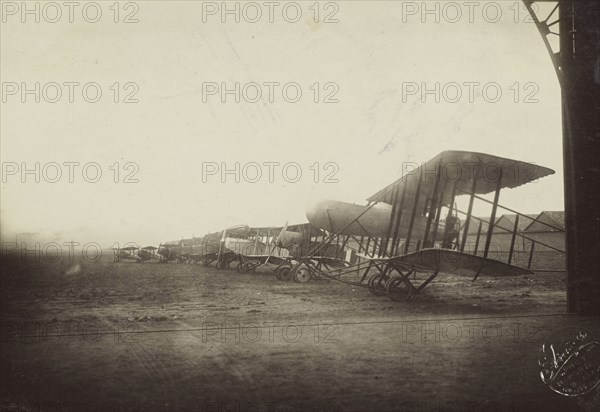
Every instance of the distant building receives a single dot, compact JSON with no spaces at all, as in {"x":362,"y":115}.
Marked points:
{"x":503,"y":232}
{"x":477,"y":229}
{"x":552,"y":235}
{"x":549,"y":228}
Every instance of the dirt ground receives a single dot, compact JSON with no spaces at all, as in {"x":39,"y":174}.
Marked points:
{"x":104,"y":336}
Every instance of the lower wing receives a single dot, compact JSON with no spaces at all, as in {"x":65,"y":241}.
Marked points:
{"x":455,"y":262}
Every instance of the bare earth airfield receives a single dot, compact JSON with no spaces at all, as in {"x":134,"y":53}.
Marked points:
{"x":128,"y":336}
{"x":163,"y":94}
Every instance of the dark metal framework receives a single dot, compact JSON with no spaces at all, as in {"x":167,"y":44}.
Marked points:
{"x":577,"y":66}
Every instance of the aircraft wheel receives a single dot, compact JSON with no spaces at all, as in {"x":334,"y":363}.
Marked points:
{"x":398,"y":289}
{"x":278,"y":273}
{"x":249,"y":267}
{"x":240,"y":267}
{"x":221,"y":265}
{"x":285,"y":273}
{"x":303,"y":275}
{"x":377,"y":284}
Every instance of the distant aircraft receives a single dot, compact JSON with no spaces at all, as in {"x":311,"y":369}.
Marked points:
{"x":134,"y":253}
{"x":253,"y":247}
{"x":299,"y":240}
{"x":224,"y":247}
{"x":147,"y":253}
{"x":259,"y":248}
{"x":168,"y":252}
{"x":129,"y":253}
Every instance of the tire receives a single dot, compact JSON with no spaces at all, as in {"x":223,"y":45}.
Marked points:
{"x":398,"y":289}
{"x":285,"y":273}
{"x":376,"y":286}
{"x":303,"y":275}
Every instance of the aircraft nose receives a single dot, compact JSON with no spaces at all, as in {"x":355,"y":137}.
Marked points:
{"x":314,"y":209}
{"x":317,"y":213}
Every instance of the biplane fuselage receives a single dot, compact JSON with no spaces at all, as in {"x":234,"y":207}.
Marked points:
{"x":287,"y":239}
{"x":245,"y":246}
{"x":334,"y":216}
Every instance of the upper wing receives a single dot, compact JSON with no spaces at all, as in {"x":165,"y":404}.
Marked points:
{"x":457,"y":169}
{"x":455,"y":262}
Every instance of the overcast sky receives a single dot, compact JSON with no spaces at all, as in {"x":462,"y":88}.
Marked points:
{"x":369,"y":61}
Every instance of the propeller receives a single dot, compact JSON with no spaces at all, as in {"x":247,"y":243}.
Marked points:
{"x":271,"y":253}
{"x":280,"y":236}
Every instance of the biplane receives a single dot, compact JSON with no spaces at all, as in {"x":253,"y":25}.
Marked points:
{"x":259,"y":249}
{"x":135,"y":254}
{"x":168,"y":252}
{"x":298,"y":240}
{"x":410,"y":231}
{"x":189,"y":251}
{"x":278,"y":251}
{"x":147,"y":253}
{"x":253,"y":247}
{"x":129,"y":253}
{"x":223,"y":247}
{"x":205,"y":250}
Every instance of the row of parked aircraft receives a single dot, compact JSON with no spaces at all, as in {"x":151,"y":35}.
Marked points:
{"x":396,"y":244}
